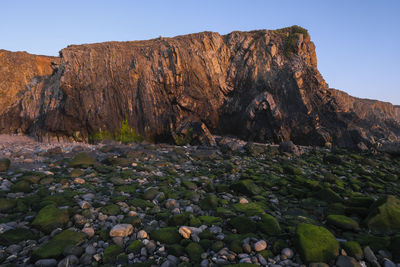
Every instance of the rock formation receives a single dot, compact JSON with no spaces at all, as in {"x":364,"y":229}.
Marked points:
{"x":259,"y":85}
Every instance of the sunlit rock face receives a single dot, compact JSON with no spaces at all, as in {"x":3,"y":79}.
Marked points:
{"x":260,"y":85}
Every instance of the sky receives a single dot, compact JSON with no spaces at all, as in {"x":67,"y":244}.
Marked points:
{"x":357,"y":40}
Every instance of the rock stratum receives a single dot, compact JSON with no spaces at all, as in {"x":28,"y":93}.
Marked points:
{"x":261,"y":85}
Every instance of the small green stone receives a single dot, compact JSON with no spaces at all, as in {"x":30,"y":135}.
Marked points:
{"x":111,"y":253}
{"x":269,"y":225}
{"x":343,"y":222}
{"x":135,"y":246}
{"x":194,"y":251}
{"x":111,"y":209}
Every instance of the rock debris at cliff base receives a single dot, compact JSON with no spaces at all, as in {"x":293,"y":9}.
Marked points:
{"x":72,"y":204}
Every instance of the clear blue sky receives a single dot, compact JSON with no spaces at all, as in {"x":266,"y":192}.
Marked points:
{"x":358,"y":41}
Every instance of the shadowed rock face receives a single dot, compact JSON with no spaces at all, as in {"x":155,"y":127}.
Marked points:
{"x":261,"y":85}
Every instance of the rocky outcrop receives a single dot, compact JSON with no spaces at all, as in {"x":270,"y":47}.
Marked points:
{"x":260,"y":85}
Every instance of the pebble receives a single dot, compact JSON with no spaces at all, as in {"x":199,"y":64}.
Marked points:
{"x":90,"y":250}
{"x":79,"y":181}
{"x":121,"y":230}
{"x":185,"y":232}
{"x":68,"y":261}
{"x":287,"y":252}
{"x":89,"y":231}
{"x":260,"y":246}
{"x":142,"y":234}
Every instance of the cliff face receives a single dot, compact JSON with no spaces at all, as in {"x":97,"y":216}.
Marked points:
{"x":260,"y":85}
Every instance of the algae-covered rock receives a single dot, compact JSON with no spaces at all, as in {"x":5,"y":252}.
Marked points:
{"x":150,"y":193}
{"x":353,"y":249}
{"x":360,"y":201}
{"x":209,"y":202}
{"x":328,"y":195}
{"x":82,"y":159}
{"x":194,"y":251}
{"x":247,"y":187}
{"x":135,"y":246}
{"x":50,"y":218}
{"x":7,"y":204}
{"x":111,"y":253}
{"x":21,"y":186}
{"x":242,"y":224}
{"x":385,"y":215}
{"x":14,"y":236}
{"x":111,"y":209}
{"x":55,"y":247}
{"x":4,"y":164}
{"x":269,"y":225}
{"x":249,"y":209}
{"x":168,"y":235}
{"x":315,"y":243}
{"x":343,"y":222}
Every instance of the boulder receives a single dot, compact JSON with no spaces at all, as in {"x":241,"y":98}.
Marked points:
{"x":315,"y":243}
{"x":50,"y":218}
{"x":384,"y":216}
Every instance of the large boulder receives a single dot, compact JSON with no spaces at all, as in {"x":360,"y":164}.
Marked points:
{"x":385,"y":215}
{"x":315,"y":243}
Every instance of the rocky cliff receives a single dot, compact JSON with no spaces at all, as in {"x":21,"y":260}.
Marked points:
{"x":260,"y":85}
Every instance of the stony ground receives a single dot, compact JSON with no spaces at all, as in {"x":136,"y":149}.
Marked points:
{"x":237,"y":204}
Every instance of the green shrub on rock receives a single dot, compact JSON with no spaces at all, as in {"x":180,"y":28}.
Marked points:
{"x":315,"y":243}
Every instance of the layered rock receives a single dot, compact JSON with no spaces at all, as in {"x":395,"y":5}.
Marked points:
{"x":260,"y":85}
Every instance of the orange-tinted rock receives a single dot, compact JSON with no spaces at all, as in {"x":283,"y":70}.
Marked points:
{"x":249,"y":84}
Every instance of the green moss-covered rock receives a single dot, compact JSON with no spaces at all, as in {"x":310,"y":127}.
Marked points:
{"x":209,"y":202}
{"x":7,"y":204}
{"x":249,"y":209}
{"x":21,"y":186}
{"x":111,"y":253}
{"x":224,"y":212}
{"x":167,"y":235}
{"x":134,"y":220}
{"x":194,"y":251}
{"x":150,"y":193}
{"x":210,"y":220}
{"x":176,"y":249}
{"x":217,"y":246}
{"x":242,"y":224}
{"x":4,"y":164}
{"x":179,"y":219}
{"x":55,"y":247}
{"x":82,"y":159}
{"x":111,"y":209}
{"x":135,"y":246}
{"x":50,"y":218}
{"x":17,"y":235}
{"x":247,"y":187}
{"x":236,"y":246}
{"x":385,"y":215}
{"x":360,"y":201}
{"x":46,"y":180}
{"x":269,"y":225}
{"x":343,"y":222}
{"x":315,"y":243}
{"x":328,"y":195}
{"x":353,"y":249}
